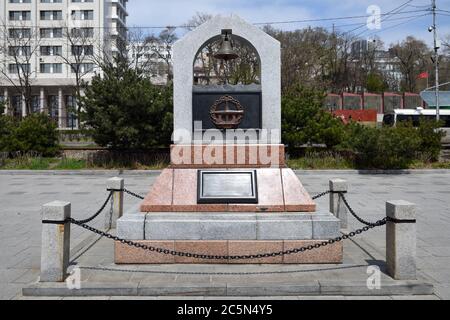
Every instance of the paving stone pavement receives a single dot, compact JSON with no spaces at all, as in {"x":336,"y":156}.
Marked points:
{"x":21,"y":196}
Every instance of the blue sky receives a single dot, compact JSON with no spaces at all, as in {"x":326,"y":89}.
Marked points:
{"x":177,"y":12}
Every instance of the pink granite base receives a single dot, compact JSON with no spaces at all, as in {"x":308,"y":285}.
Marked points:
{"x":332,"y":254}
{"x":279,"y":190}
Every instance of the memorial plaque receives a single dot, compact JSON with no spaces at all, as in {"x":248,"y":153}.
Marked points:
{"x":227,"y":187}
{"x":248,"y":96}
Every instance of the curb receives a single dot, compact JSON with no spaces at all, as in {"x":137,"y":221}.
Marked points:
{"x":376,"y":172}
{"x":305,"y":288}
{"x":154,"y":173}
{"x":151,"y":173}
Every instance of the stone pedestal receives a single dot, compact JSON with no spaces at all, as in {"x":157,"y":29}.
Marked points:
{"x":228,"y":234}
{"x":284,"y":218}
{"x":279,"y":190}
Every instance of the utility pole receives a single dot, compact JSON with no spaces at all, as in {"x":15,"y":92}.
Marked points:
{"x":436,"y":59}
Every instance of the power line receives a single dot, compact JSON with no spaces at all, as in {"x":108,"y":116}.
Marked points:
{"x":395,"y":19}
{"x":332,"y":19}
{"x":257,"y":23}
{"x":399,"y":24}
{"x":389,"y":17}
{"x":390,"y":13}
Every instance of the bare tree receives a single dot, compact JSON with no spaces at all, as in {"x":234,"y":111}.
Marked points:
{"x":161,"y":47}
{"x":18,"y":46}
{"x":414,"y":57}
{"x":198,"y":19}
{"x":140,"y":53}
{"x":82,"y":47}
{"x":446,"y":44}
{"x":209,"y":68}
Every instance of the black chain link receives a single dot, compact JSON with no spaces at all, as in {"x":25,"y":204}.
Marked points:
{"x":320,"y":195}
{"x":134,"y":194}
{"x":218,"y":257}
{"x":131,"y":193}
{"x":369,"y":226}
{"x":350,"y":209}
{"x":99,"y":211}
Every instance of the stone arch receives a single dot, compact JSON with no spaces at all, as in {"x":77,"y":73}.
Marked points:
{"x":186,"y":49}
{"x":240,"y":40}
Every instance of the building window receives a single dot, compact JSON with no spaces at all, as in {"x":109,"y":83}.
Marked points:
{"x":53,"y":107}
{"x":51,"y":32}
{"x":51,"y":15}
{"x":71,"y":109}
{"x":16,"y":105}
{"x":51,"y":68}
{"x":19,"y":51}
{"x":19,"y":15}
{"x":82,"y":14}
{"x":82,"y":67}
{"x":16,"y":68}
{"x":17,"y":33}
{"x":51,"y":50}
{"x":35,"y":104}
{"x":82,"y":32}
{"x":82,"y":50}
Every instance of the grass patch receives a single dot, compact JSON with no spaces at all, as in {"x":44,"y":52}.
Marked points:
{"x":321,"y":161}
{"x":430,"y":165}
{"x":25,"y":163}
{"x":70,"y":164}
{"x":311,"y":161}
{"x":40,"y":163}
{"x":334,"y":161}
{"x":135,"y":165}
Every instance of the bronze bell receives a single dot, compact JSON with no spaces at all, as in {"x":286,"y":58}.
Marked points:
{"x":226,"y":51}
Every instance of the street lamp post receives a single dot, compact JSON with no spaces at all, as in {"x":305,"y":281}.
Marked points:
{"x":436,"y":59}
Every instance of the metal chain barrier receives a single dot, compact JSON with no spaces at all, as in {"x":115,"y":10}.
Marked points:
{"x":320,"y":195}
{"x":350,"y":209}
{"x":368,"y":226}
{"x":99,"y":211}
{"x":134,"y":194}
{"x":241,"y":257}
{"x":131,"y":193}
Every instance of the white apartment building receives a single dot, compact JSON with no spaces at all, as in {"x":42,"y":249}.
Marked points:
{"x":150,"y":57}
{"x":52,"y":43}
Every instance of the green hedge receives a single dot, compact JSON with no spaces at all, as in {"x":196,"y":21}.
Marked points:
{"x":394,"y":147}
{"x":304,"y":122}
{"x":34,"y":133}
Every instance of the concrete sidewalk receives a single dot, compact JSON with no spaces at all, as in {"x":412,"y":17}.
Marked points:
{"x":100,"y":277}
{"x":22,"y":195}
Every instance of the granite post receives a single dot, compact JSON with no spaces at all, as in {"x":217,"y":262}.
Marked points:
{"x":55,"y":246}
{"x":337,"y":206}
{"x":117,"y":199}
{"x":401,"y":240}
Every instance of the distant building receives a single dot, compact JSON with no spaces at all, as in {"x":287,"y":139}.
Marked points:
{"x":58,"y":31}
{"x":385,"y":61}
{"x":147,"y":56}
{"x":151,"y":58}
